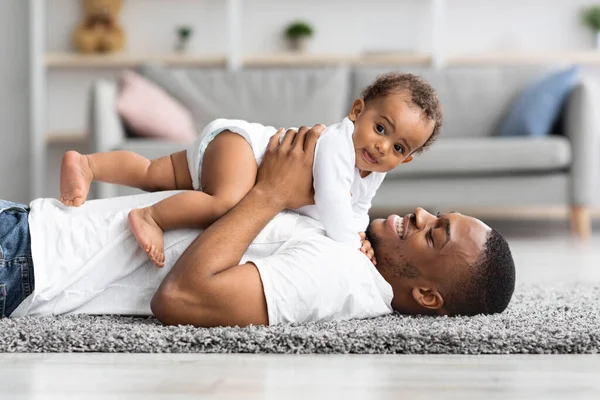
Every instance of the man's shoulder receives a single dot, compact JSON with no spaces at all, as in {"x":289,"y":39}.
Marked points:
{"x":309,"y":251}
{"x":314,"y":278}
{"x":310,"y":235}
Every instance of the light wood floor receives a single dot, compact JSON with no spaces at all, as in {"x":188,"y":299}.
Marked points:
{"x":154,"y":376}
{"x":541,"y":257}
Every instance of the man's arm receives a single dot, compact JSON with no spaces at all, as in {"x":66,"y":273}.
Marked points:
{"x":206,"y":287}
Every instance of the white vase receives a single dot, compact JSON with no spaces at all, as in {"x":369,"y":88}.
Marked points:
{"x":298,"y":44}
{"x":182,"y":46}
{"x":597,"y":40}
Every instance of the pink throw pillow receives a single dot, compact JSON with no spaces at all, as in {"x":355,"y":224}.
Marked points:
{"x":150,"y":112}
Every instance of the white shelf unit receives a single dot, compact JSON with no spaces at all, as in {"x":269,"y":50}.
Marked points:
{"x":37,"y":94}
{"x":234,"y":58}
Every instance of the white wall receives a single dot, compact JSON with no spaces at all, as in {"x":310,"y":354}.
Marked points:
{"x":343,"y":26}
{"x":516,"y":25}
{"x":14,"y":97}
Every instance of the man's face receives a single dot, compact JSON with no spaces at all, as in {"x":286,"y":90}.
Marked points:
{"x":421,"y":249}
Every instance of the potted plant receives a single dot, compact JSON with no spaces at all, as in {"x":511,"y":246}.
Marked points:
{"x":591,"y":18}
{"x":184,"y":33}
{"x":297,"y":34}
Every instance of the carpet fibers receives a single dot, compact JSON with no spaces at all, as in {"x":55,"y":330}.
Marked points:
{"x":540,"y":320}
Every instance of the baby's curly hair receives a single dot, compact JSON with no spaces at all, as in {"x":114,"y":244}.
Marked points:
{"x":421,"y":93}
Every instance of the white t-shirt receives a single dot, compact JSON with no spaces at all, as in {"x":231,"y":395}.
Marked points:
{"x":86,"y":260}
{"x":342,"y":197}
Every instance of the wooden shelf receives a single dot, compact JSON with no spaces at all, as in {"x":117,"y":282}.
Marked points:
{"x":68,"y":60}
{"x":74,"y":60}
{"x":65,"y":137}
{"x":529,"y":58}
{"x":310,"y":59}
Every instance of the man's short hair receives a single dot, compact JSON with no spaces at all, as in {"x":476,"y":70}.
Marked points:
{"x":488,"y":285}
{"x":420,"y":92}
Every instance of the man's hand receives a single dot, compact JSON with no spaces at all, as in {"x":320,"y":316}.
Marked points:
{"x":285,"y":173}
{"x":206,"y":286}
{"x":366,"y":247}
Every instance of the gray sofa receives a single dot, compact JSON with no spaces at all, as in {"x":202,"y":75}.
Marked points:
{"x":467,"y":168}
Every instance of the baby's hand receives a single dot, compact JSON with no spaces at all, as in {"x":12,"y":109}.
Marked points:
{"x":366,"y":247}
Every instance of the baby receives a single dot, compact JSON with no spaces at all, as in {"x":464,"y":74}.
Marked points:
{"x":397,"y":117}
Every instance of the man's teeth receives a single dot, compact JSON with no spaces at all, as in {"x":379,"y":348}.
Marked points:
{"x":399,"y":226}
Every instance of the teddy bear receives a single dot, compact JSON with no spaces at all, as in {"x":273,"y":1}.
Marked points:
{"x":100,"y":31}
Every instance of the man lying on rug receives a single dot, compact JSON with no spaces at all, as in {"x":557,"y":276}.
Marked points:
{"x":258,"y":264}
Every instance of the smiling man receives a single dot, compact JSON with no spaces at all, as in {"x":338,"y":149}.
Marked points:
{"x":258,"y":264}
{"x":449,"y":264}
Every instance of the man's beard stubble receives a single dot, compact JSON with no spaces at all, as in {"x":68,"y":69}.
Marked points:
{"x":392,"y":262}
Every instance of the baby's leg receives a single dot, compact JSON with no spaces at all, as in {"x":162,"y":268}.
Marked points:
{"x":120,"y":167}
{"x":228,"y":173}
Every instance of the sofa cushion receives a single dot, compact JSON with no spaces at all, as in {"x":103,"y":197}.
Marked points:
{"x":281,"y":97}
{"x":488,"y":156}
{"x":474,"y":100}
{"x":535,"y":110}
{"x":150,"y":112}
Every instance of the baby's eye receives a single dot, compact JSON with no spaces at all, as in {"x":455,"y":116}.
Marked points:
{"x":399,"y":148}
{"x":380,"y":128}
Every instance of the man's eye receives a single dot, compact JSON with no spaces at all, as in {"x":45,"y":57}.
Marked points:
{"x":438,"y":214}
{"x":380,"y":129}
{"x":399,"y":148}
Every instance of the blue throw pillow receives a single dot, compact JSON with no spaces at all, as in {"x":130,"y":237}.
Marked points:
{"x":537,"y":108}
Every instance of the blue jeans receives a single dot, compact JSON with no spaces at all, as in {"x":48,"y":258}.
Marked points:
{"x":16,"y":263}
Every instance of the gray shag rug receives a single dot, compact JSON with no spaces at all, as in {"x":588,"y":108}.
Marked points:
{"x":539,"y":320}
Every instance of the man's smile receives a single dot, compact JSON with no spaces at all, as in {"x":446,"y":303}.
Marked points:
{"x":399,"y":225}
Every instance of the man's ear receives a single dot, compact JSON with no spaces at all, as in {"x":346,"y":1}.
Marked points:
{"x":357,"y":108}
{"x":407,"y":159}
{"x":428,"y":298}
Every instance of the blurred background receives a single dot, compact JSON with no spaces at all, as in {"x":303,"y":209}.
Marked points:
{"x":517,"y":80}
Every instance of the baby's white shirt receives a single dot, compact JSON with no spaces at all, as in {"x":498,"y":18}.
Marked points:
{"x":342,"y":197}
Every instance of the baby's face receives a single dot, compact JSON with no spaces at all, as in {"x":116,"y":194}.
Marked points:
{"x":387,"y":131}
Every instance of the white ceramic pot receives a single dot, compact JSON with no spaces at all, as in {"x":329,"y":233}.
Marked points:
{"x":298,"y":44}
{"x":182,"y":46}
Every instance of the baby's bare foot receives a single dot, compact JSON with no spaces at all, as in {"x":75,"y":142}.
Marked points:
{"x":148,"y":234}
{"x":75,"y":178}
{"x":157,"y":256}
